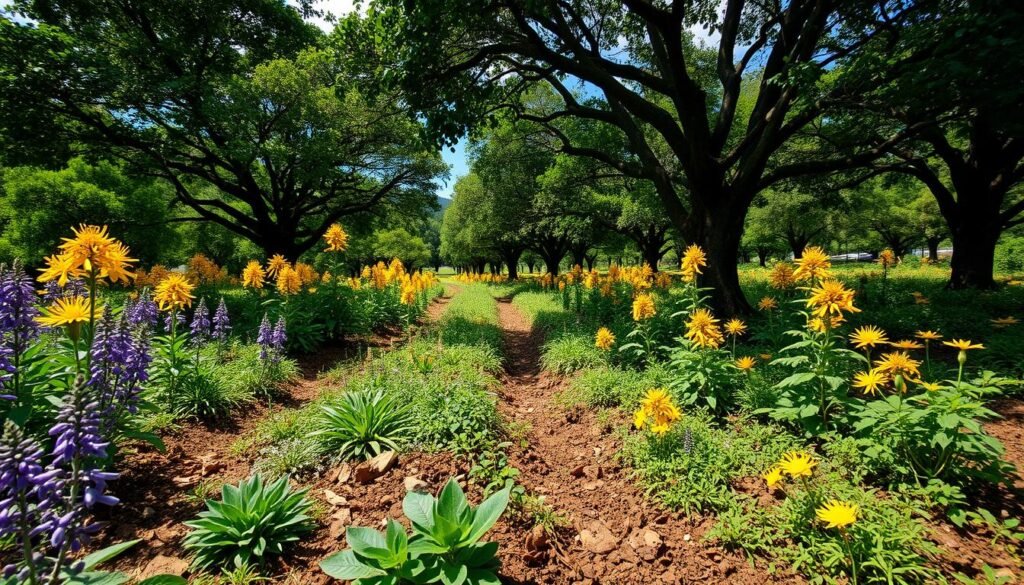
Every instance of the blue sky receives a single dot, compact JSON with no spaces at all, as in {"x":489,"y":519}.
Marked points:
{"x":459,"y":165}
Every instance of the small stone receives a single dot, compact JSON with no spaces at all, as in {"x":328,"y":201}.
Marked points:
{"x":148,"y":512}
{"x":183,"y":481}
{"x":415,"y":484}
{"x":334,"y":499}
{"x":344,"y":473}
{"x":598,"y":539}
{"x":368,"y":471}
{"x":686,"y":537}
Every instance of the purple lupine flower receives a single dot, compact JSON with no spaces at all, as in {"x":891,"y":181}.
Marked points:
{"x":21,"y":464}
{"x":78,"y":426}
{"x":264,"y":337}
{"x":200,"y":322}
{"x":221,"y":323}
{"x":117,"y":368}
{"x":18,"y":325}
{"x":280,"y":335}
{"x":143,"y":312}
{"x":52,"y":291}
{"x":177,"y":316}
{"x":76,"y":287}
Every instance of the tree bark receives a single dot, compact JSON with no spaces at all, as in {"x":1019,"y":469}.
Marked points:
{"x":974,"y":249}
{"x":762,"y":257}
{"x":933,"y":248}
{"x":718,"y":229}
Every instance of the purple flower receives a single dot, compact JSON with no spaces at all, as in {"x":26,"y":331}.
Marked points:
{"x":117,"y":368}
{"x":78,"y":426}
{"x":264,"y":337}
{"x":178,"y":318}
{"x":52,"y":291}
{"x":18,"y":325}
{"x":200,"y":322}
{"x":280,"y":336}
{"x":142,"y":312}
{"x":221,"y":323}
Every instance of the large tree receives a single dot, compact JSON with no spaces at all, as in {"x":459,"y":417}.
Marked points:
{"x":677,"y":105}
{"x":242,"y":95}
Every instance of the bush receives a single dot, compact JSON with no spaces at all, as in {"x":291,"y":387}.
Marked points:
{"x":363,"y":424}
{"x":1010,"y":255}
{"x":199,"y":394}
{"x":243,"y":373}
{"x":605,"y":387}
{"x":251,"y":522}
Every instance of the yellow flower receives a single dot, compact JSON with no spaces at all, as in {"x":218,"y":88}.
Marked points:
{"x":91,"y":251}
{"x":773,"y":476}
{"x":963,"y":344}
{"x":173,"y":293}
{"x":746,"y":363}
{"x":658,"y":408}
{"x":735,"y":327}
{"x":306,"y":273}
{"x":836,"y":514}
{"x":919,"y":298}
{"x":830,"y":298}
{"x":643,"y":307}
{"x":1002,"y":322}
{"x":703,"y":330}
{"x":868,"y":336}
{"x":694,"y":259}
{"x":288,"y":281}
{"x":336,"y":238}
{"x":781,"y":276}
{"x":797,"y":464}
{"x":813,"y":264}
{"x":767,"y":304}
{"x":604,"y":339}
{"x":887,"y":258}
{"x":907,"y":344}
{"x":68,"y":311}
{"x":928,"y":335}
{"x":870,"y":381}
{"x":765,"y":356}
{"x":276,"y":264}
{"x":253,"y":275}
{"x":929,"y":386}
{"x":899,"y":363}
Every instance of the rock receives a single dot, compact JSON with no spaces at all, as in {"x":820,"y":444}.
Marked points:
{"x":415,"y":484}
{"x":340,"y":520}
{"x":652,"y":539}
{"x":164,"y":565}
{"x":370,"y":470}
{"x":334,"y":499}
{"x":183,"y":480}
{"x":148,"y":512}
{"x":593,"y":485}
{"x":344,"y":473}
{"x":598,"y":539}
{"x":687,"y":537}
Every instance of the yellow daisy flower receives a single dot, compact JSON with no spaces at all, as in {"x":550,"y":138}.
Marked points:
{"x":67,"y":311}
{"x":798,"y":464}
{"x":604,"y":339}
{"x":871,"y":381}
{"x":703,"y":330}
{"x":836,"y":514}
{"x":867,"y":337}
{"x":813,"y":264}
{"x":336,"y":238}
{"x":174,"y":292}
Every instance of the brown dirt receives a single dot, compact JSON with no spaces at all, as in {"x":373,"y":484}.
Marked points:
{"x":613,"y":534}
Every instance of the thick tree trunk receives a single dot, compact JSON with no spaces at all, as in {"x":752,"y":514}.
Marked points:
{"x":933,"y":248}
{"x":718,"y":230}
{"x":651,"y":253}
{"x":552,"y":263}
{"x":591,"y":259}
{"x":530,"y":265}
{"x":511,"y":259}
{"x":762,"y":257}
{"x":974,"y":249}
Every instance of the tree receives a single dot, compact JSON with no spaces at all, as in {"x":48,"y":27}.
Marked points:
{"x":38,"y":207}
{"x":793,"y":214}
{"x":243,"y":96}
{"x":957,"y":80}
{"x":399,"y":243}
{"x":676,"y":104}
{"x":465,"y":234}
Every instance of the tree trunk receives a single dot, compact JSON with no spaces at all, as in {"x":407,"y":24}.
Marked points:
{"x":552,"y":263}
{"x":651,"y":253}
{"x":933,"y":248}
{"x":974,"y":249}
{"x":530,"y":264}
{"x":762,"y":257}
{"x":718,"y":229}
{"x":511,"y":259}
{"x":591,"y":259}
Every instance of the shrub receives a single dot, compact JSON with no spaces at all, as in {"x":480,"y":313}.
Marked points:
{"x":251,"y":522}
{"x":445,"y":546}
{"x":198,"y":394}
{"x":243,"y":373}
{"x":362,"y":424}
{"x":1010,"y":255}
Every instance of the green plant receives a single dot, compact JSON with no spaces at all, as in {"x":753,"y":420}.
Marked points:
{"x":988,"y":577}
{"x":291,"y":456}
{"x":445,"y":544}
{"x":252,"y":521}
{"x":202,"y":491}
{"x":362,"y":424}
{"x":241,"y":575}
{"x":571,"y":353}
{"x":199,"y":395}
{"x":1005,"y":533}
{"x":704,"y":376}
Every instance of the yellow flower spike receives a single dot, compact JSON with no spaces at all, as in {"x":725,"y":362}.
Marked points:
{"x":798,"y":464}
{"x":836,"y":514}
{"x":871,"y":381}
{"x":253,"y":275}
{"x":703,"y":330}
{"x":275,"y":264}
{"x":813,"y":264}
{"x":174,"y":292}
{"x":288,"y":281}
{"x":336,"y":238}
{"x":643,"y":307}
{"x":658,"y":409}
{"x":781,"y":276}
{"x":91,"y":252}
{"x":867,"y":337}
{"x":928,"y":335}
{"x":746,"y":363}
{"x":767,"y":304}
{"x":604,"y":339}
{"x":773,"y":476}
{"x":694,"y":259}
{"x":887,"y":258}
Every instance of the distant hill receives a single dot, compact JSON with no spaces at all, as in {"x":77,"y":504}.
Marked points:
{"x":444,"y":202}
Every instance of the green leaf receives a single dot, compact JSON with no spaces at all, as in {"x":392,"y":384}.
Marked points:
{"x":104,"y":555}
{"x":164,"y":580}
{"x":486,"y":515}
{"x":346,"y":566}
{"x":419,"y":509}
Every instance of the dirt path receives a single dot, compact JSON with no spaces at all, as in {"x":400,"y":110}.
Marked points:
{"x":612,"y":534}
{"x":159,"y":491}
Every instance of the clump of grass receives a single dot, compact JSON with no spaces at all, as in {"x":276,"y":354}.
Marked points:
{"x":571,"y":353}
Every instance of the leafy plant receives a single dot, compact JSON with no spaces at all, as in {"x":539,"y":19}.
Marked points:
{"x":571,"y":353}
{"x":363,"y":424}
{"x":252,"y":521}
{"x":444,"y":547}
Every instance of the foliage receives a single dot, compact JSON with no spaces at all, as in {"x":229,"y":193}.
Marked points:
{"x":445,"y":544}
{"x":252,"y":522}
{"x":571,"y":353}
{"x":362,"y":424}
